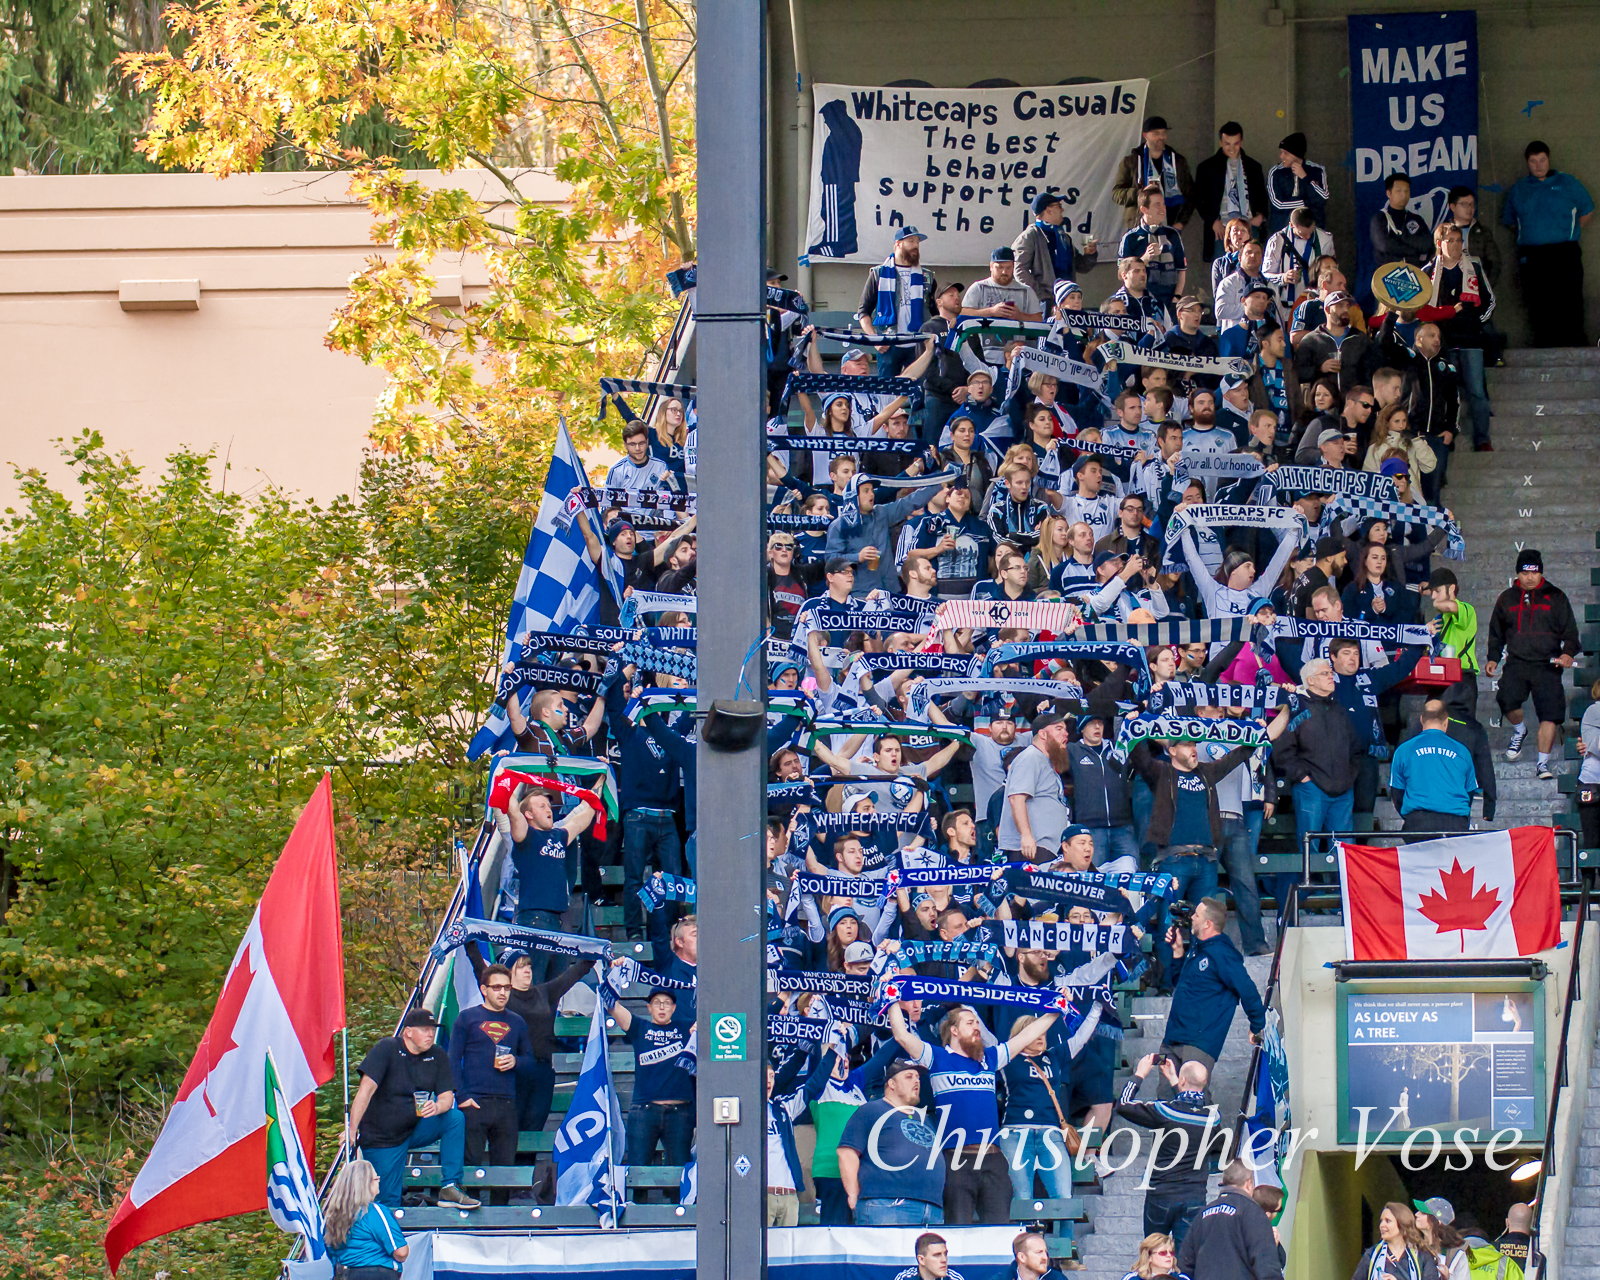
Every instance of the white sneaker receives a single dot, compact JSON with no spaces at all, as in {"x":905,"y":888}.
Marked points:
{"x":1102,"y":1167}
{"x":1514,"y":747}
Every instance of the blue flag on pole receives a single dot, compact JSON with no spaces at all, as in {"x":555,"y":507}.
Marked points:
{"x":1270,"y":1117}
{"x":588,"y":1146}
{"x":559,"y":586}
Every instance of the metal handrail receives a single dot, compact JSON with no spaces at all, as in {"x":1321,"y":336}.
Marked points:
{"x":1563,"y":835}
{"x":1547,"y":1157}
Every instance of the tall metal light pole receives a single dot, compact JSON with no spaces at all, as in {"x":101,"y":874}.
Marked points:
{"x":731,"y":816}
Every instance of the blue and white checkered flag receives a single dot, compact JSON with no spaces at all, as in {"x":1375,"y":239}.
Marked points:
{"x":588,"y":1145}
{"x":559,"y":587}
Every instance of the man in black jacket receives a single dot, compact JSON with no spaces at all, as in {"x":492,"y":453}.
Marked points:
{"x":1533,"y":626}
{"x":1183,"y":1132}
{"x":1185,"y":821}
{"x":1217,"y":188}
{"x":1232,"y":1237}
{"x":1432,"y":396}
{"x":1320,"y":755}
{"x":1397,"y":234}
{"x":945,"y":383}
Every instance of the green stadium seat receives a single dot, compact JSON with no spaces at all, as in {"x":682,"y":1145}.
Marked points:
{"x":622,"y":1061}
{"x":576,"y":1026}
{"x":605,"y":915}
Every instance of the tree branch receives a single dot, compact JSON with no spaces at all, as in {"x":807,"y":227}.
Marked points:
{"x":602,"y":101}
{"x":678,"y":233}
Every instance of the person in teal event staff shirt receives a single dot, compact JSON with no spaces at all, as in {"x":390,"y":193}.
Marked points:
{"x":1548,"y":211}
{"x":1431,"y":778}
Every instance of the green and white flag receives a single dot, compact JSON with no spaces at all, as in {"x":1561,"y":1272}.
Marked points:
{"x":291,"y":1190}
{"x":461,"y":991}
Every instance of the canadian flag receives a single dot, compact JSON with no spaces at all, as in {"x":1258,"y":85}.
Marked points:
{"x":284,"y":992}
{"x":1496,"y":893}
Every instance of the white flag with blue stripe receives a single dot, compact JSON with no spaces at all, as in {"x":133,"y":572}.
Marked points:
{"x":291,"y":1191}
{"x":559,"y":586}
{"x":589,"y":1144}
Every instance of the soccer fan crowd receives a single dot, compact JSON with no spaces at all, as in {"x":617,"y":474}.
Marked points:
{"x":1064,"y":603}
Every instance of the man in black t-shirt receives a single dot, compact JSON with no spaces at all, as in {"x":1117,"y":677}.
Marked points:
{"x":406,"y":1101}
{"x":542,"y":852}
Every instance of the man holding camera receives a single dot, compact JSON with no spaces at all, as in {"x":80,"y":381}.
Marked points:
{"x":1209,"y":983}
{"x":1177,"y":1165}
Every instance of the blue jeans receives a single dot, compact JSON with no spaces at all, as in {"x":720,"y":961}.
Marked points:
{"x":672,"y":1123}
{"x":644,"y":834}
{"x":1170,"y":1218}
{"x":542,"y":961}
{"x":898,"y":1213}
{"x":1197,"y":878}
{"x":1144,"y":802}
{"x":1315,"y":810}
{"x":1114,"y":842}
{"x":1469,"y":360}
{"x":1027,"y":1154}
{"x":1239,"y":859}
{"x":448,"y":1130}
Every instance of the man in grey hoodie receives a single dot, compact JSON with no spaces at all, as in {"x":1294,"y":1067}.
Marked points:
{"x":863,"y":533}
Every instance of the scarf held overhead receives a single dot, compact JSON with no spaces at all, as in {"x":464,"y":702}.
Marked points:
{"x":518,"y":937}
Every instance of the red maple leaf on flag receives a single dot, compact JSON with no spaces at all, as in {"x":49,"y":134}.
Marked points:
{"x":1459,"y":908}
{"x":218,"y":1037}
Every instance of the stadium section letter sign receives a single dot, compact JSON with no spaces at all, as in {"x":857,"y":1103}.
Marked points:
{"x":1413,"y":110}
{"x":962,"y":165}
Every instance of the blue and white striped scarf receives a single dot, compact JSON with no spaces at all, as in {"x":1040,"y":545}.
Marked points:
{"x":1396,"y":512}
{"x":886,"y":311}
{"x":1169,"y":631}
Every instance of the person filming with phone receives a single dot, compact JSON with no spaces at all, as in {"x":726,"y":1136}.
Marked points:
{"x":1178,"y":1162}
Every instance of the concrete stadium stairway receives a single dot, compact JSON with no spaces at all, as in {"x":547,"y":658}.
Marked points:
{"x":1539,"y":488}
{"x":1109,"y":1246}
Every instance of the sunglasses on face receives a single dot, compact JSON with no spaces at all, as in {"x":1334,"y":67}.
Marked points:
{"x":498,"y":986}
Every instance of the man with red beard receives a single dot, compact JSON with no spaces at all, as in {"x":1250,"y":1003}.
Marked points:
{"x":1035,"y":812}
{"x":977,"y":1187}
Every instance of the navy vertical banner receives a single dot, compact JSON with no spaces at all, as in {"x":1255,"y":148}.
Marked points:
{"x":1413,"y":110}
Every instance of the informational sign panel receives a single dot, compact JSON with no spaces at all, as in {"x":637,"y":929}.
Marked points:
{"x":962,"y":165}
{"x":1470,"y":1061}
{"x":1413,"y":110}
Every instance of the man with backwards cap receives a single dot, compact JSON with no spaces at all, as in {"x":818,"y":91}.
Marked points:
{"x":1533,"y":627}
{"x":1043,"y":252}
{"x":1000,"y":297}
